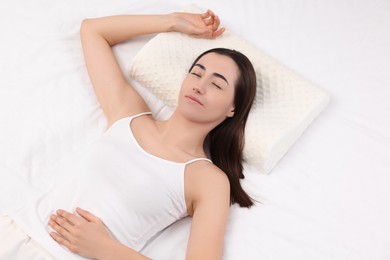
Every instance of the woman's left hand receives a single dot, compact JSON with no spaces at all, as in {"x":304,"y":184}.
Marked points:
{"x":86,"y":236}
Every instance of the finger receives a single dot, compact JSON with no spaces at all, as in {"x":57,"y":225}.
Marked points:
{"x":209,"y":21}
{"x":211,"y":17}
{"x":218,"y":33}
{"x":69,"y":217}
{"x":211,"y":13}
{"x":88,"y":215}
{"x":59,"y":239}
{"x":61,"y":222}
{"x":216,"y":23}
{"x":205,"y":15}
{"x":65,"y":234}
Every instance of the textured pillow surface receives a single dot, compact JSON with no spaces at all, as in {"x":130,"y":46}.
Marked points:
{"x":285,"y":103}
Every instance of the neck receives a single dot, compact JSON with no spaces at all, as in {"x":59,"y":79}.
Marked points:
{"x":184,"y":134}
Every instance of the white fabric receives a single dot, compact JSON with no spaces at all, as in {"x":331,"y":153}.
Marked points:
{"x":114,"y":179}
{"x":285,"y":104}
{"x":16,"y":245}
{"x":327,"y":198}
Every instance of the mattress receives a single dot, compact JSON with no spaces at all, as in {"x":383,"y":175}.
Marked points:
{"x":327,"y":198}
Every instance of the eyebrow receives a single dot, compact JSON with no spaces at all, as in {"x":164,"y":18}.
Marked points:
{"x":214,"y":74}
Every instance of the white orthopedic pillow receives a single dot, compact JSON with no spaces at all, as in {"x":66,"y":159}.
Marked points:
{"x":285,"y":103}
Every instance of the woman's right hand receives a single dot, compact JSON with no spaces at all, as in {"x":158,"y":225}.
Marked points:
{"x":86,"y":236}
{"x":203,"y":25}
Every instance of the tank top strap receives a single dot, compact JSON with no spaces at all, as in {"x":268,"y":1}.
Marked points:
{"x":140,"y":114}
{"x":186,"y":163}
{"x":198,"y":159}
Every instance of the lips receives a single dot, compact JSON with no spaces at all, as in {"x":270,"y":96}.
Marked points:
{"x":194,"y":99}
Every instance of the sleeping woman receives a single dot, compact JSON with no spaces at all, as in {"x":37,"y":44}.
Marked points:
{"x":142,"y":175}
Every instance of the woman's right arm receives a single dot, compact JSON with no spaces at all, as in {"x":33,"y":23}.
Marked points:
{"x":117,"y":98}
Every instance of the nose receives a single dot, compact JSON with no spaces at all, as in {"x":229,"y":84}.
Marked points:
{"x":200,"y":85}
{"x":198,"y":90}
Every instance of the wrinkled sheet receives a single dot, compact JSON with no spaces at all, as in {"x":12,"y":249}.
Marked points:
{"x":328,"y":196}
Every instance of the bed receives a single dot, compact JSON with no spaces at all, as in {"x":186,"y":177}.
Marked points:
{"x":327,"y":198}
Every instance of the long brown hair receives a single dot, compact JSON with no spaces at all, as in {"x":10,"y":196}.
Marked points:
{"x":226,"y":141}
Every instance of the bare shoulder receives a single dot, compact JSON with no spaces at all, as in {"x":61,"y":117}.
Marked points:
{"x":203,"y":171}
{"x":205,"y":182}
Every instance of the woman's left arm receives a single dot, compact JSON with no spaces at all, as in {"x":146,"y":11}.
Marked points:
{"x":210,"y":203}
{"x":88,"y":237}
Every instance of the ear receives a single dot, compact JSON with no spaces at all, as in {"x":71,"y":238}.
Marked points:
{"x":230,"y":113}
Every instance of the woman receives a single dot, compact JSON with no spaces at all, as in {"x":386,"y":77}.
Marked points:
{"x":142,"y":175}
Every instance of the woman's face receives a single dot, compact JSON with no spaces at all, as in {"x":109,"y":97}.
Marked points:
{"x":207,"y":92}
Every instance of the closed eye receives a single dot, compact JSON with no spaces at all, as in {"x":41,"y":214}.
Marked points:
{"x":216,"y":85}
{"x":197,"y":75}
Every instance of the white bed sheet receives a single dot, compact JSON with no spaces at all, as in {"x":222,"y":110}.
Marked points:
{"x":326,"y":199}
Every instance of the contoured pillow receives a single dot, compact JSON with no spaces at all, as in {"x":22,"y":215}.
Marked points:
{"x":285,"y":102}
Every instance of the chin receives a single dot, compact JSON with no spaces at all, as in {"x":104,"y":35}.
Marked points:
{"x":202,"y":117}
{"x":191,"y":113}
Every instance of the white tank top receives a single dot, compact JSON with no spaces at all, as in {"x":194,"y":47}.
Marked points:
{"x":134,"y":193}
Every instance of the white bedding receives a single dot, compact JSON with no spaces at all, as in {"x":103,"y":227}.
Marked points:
{"x":326,"y":199}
